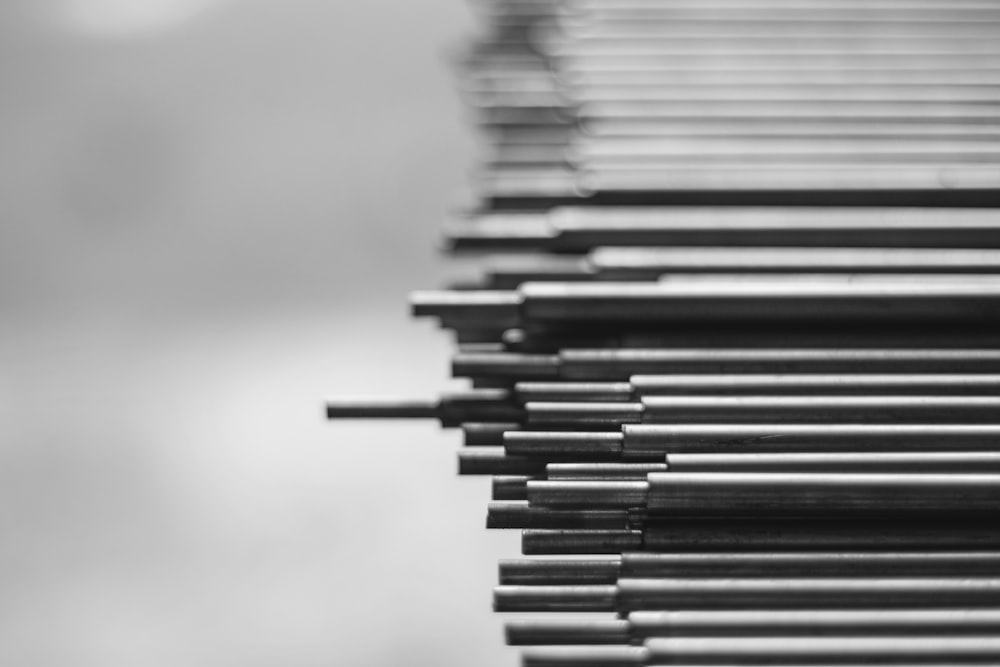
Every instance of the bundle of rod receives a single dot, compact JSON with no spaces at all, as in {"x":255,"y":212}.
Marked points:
{"x":734,"y":359}
{"x":669,"y":101}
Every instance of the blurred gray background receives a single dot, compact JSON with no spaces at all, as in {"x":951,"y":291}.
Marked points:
{"x":211,"y":212}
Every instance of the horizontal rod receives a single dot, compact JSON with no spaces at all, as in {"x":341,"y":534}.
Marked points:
{"x":769,"y":409}
{"x":602,"y":364}
{"x":621,"y":364}
{"x":518,"y":514}
{"x":486,"y":434}
{"x":452,"y":409}
{"x":896,"y":650}
{"x":799,"y":384}
{"x":542,"y":541}
{"x":645,"y":440}
{"x":606,"y":471}
{"x":654,"y":261}
{"x":510,"y":487}
{"x":528,"y":572}
{"x":494,"y":461}
{"x":753,"y":593}
{"x":661,"y":534}
{"x":581,"y":229}
{"x":881,"y":300}
{"x":780,"y":494}
{"x":889,"y":462}
{"x":577,"y":391}
{"x":563,"y":443}
{"x":751,"y":564}
{"x":759,"y":622}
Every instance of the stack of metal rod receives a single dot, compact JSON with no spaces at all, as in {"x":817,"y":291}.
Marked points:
{"x":734,"y":359}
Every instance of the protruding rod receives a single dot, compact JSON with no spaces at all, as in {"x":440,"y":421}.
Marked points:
{"x":494,"y":461}
{"x":553,"y":572}
{"x":621,"y":364}
{"x":743,"y":409}
{"x":518,"y":514}
{"x":584,"y":228}
{"x":781,"y":494}
{"x":510,"y":487}
{"x":382,"y":408}
{"x":871,"y":563}
{"x":500,"y":307}
{"x":641,"y":625}
{"x":646,"y":440}
{"x":724,"y":298}
{"x":534,"y":632}
{"x":742,"y":183}
{"x":487,"y":434}
{"x":555,"y":598}
{"x":451,"y":409}
{"x":772,"y":301}
{"x":886,"y":462}
{"x":755,"y":593}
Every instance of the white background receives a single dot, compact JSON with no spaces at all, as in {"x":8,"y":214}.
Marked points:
{"x":210,"y":217}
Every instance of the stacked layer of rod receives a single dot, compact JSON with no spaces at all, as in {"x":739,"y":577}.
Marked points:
{"x":673,"y":101}
{"x":734,"y":359}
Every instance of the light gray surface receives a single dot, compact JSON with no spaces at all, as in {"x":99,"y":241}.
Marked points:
{"x":205,"y":227}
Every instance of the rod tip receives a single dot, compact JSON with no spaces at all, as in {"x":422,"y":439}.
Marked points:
{"x":381,"y":408}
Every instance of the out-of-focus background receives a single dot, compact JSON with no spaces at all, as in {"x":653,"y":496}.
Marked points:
{"x":211,"y":212}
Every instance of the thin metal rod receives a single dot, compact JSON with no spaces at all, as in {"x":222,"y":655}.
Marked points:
{"x":643,"y":565}
{"x":821,"y":493}
{"x":759,"y":622}
{"x":618,"y":364}
{"x":451,"y":409}
{"x":510,"y":487}
{"x":781,"y":494}
{"x":646,"y":440}
{"x":771,"y":409}
{"x":849,"y":651}
{"x":486,"y":434}
{"x":875,"y":462}
{"x":581,"y":228}
{"x":650,"y":262}
{"x":676,"y":534}
{"x":978,"y":299}
{"x":621,"y":364}
{"x":754,"y":593}
{"x":799,"y":384}
{"x":685,"y":534}
{"x":494,"y":461}
{"x":518,"y":514}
